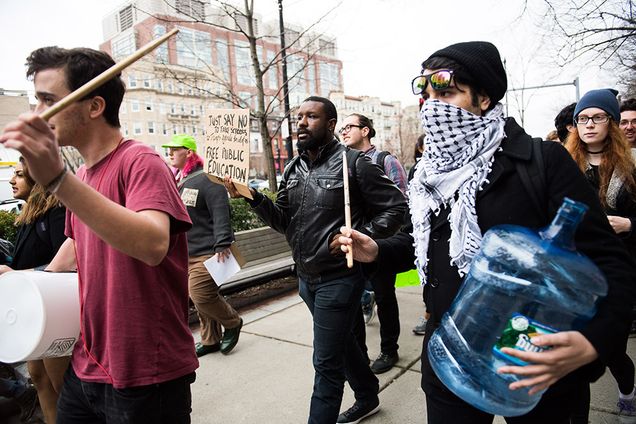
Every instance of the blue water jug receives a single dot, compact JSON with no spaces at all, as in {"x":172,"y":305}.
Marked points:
{"x":522,"y":283}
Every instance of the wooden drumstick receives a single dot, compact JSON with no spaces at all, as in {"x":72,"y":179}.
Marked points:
{"x":347,"y":205}
{"x":104,"y":76}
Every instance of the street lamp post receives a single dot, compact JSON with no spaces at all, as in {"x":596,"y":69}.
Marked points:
{"x":288,"y":140}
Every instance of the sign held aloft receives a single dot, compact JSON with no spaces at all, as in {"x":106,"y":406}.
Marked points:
{"x":227,"y":147}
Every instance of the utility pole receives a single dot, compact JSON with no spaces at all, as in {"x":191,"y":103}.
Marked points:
{"x":288,"y":140}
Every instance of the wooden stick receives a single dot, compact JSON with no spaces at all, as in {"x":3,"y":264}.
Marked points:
{"x":347,"y":205}
{"x":105,"y":76}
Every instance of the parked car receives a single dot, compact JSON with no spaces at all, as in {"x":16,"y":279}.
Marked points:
{"x":11,"y":205}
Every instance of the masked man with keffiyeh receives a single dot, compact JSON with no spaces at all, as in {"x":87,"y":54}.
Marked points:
{"x":467,"y":182}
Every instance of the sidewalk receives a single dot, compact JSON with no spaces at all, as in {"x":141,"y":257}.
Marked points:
{"x":268,"y":377}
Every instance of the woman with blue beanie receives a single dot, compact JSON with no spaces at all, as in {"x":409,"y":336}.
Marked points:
{"x":603,"y":154}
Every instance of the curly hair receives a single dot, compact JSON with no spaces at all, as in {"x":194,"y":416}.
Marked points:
{"x":616,"y":156}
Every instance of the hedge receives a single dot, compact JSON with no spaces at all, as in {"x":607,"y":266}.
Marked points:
{"x":243,"y":218}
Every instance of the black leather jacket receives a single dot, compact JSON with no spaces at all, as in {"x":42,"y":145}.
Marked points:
{"x":309,"y":208}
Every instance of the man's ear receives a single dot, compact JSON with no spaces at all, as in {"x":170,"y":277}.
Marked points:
{"x":365,"y":131}
{"x":332,"y":125}
{"x":484,"y":102}
{"x":97,"y":106}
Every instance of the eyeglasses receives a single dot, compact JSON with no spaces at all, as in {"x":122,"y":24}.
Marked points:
{"x":348,"y":127}
{"x":627,"y":122}
{"x":439,"y":80}
{"x":597,"y":119}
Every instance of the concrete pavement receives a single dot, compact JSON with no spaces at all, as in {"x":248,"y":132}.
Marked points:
{"x":268,"y":377}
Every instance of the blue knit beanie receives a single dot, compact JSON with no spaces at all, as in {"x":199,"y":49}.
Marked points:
{"x":604,"y":98}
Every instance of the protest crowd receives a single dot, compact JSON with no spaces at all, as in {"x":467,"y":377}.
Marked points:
{"x":140,"y":233}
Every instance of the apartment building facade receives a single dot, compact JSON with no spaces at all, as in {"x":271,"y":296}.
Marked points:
{"x":208,"y":65}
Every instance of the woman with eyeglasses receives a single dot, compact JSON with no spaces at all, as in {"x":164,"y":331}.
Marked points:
{"x":40,"y":235}
{"x":602,"y":152}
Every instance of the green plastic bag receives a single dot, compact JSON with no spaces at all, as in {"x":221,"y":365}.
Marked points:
{"x":407,"y":279}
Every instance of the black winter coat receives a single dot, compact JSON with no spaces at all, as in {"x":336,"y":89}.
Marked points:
{"x":37,"y":243}
{"x":505,"y":201}
{"x":309,"y":208}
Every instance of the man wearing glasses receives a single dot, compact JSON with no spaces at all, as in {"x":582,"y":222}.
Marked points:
{"x":468,"y":181}
{"x":309,"y":210}
{"x":628,"y":121}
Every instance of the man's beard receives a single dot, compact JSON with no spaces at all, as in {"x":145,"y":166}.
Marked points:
{"x":313,"y":140}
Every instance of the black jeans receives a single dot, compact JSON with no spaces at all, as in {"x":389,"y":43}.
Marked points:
{"x":383,"y":285}
{"x":92,"y":403}
{"x":443,"y":407}
{"x":333,"y":305}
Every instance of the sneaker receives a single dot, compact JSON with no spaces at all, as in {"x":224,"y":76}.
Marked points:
{"x":28,"y":402}
{"x":384,"y":362}
{"x":368,"y":306}
{"x":420,"y":328}
{"x":627,"y":407}
{"x":358,"y":412}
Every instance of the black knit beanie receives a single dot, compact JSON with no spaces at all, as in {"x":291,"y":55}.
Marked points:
{"x":482,"y":61}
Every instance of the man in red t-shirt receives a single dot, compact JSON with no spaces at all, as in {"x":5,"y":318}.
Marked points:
{"x":135,"y":361}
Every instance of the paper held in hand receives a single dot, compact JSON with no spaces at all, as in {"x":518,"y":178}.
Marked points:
{"x":227,"y":147}
{"x":221,"y":272}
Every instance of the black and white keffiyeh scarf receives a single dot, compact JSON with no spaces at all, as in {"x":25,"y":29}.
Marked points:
{"x":458,"y":154}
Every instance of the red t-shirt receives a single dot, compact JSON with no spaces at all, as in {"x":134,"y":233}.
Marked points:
{"x":135,"y":316}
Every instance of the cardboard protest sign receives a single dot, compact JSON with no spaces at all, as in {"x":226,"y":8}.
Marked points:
{"x":227,"y":147}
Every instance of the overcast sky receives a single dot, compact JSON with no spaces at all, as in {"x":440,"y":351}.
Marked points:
{"x":381,"y":43}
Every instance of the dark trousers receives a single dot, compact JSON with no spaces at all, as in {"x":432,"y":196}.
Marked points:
{"x":443,"y":407}
{"x":333,"y":305}
{"x":388,"y":315}
{"x":92,"y":403}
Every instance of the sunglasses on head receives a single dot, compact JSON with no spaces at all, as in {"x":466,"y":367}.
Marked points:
{"x":439,"y":80}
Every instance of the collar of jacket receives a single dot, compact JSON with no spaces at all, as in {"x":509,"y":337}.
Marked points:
{"x":515,"y":144}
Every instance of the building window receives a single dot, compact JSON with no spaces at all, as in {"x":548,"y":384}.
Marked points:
{"x":137,"y":128}
{"x":222,"y":58}
{"x":161,"y":53}
{"x":194,"y":48}
{"x":147,"y":82}
{"x":241,"y":23}
{"x":244,"y":72}
{"x":329,"y":78}
{"x":132,"y":81}
{"x":134,"y":105}
{"x":192,"y":8}
{"x":162,"y":108}
{"x":174,"y":130}
{"x":170,"y":87}
{"x":122,"y":108}
{"x":173,"y":108}
{"x":151,"y":127}
{"x":149,"y":106}
{"x":194,"y":130}
{"x":125,"y":18}
{"x":123,"y":45}
{"x":164,"y":129}
{"x":291,"y":36}
{"x":124,"y":127}
{"x":272,"y":73}
{"x":327,"y":47}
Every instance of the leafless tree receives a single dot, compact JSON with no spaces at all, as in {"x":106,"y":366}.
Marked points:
{"x":600,"y":31}
{"x":301,"y":47}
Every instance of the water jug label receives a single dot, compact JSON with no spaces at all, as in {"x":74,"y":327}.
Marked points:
{"x":517,"y":334}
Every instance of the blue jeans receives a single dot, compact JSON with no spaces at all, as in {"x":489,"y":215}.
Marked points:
{"x":333,"y":305}
{"x":92,"y":403}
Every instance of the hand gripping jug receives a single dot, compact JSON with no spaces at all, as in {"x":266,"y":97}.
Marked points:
{"x":521,"y":284}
